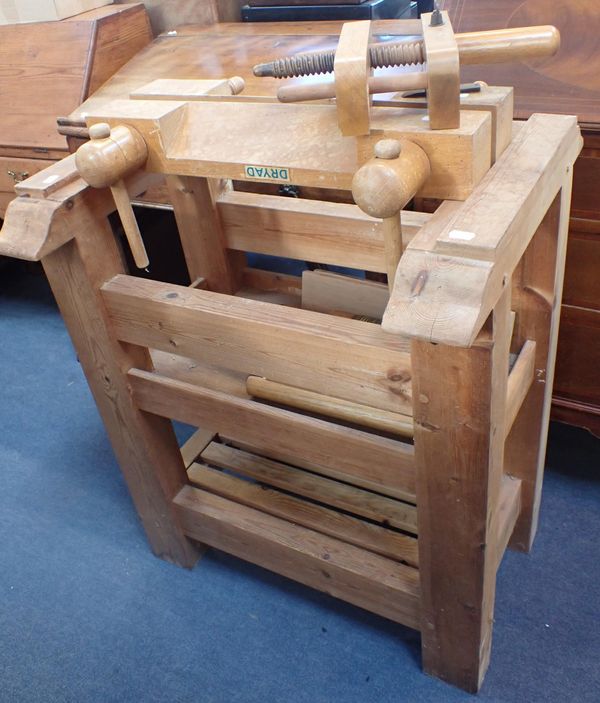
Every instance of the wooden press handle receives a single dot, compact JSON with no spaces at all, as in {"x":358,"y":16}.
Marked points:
{"x":377,"y":84}
{"x":109,"y":156}
{"x":505,"y":45}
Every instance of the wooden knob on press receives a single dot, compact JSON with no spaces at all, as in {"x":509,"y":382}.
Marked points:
{"x":385,"y":184}
{"x":104,"y":161}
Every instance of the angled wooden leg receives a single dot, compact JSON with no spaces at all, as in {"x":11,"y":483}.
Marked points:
{"x":537,"y":293}
{"x":145,"y":444}
{"x":201,"y":234}
{"x":459,"y":404}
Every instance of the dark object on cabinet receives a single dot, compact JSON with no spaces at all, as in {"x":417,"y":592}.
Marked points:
{"x":308,"y":12}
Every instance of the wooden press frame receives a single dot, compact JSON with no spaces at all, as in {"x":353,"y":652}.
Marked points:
{"x":466,"y":351}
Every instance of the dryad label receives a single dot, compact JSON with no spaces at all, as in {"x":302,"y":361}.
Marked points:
{"x":267,"y":173}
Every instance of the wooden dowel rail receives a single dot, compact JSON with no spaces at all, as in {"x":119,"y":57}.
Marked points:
{"x":376,"y":462}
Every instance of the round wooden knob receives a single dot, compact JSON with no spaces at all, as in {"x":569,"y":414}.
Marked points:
{"x":236,"y":84}
{"x":108,"y":158}
{"x":387,"y":149}
{"x":99,"y":131}
{"x":383,"y":186}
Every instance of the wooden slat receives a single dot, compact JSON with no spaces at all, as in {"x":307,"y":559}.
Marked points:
{"x":342,"y":570}
{"x":381,"y":462}
{"x":339,"y":357}
{"x":272,"y":281}
{"x":329,"y":522}
{"x":509,"y":506}
{"x":304,"y":483}
{"x":195,"y":445}
{"x":346,"y":410}
{"x":519,"y":382}
{"x":339,"y":234}
{"x":325,"y":291}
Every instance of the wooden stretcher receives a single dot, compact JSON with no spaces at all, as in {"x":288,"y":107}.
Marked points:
{"x":383,"y":445}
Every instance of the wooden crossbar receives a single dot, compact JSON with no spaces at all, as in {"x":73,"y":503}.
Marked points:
{"x":362,"y":457}
{"x":342,"y":358}
{"x":519,"y":382}
{"x":310,"y":230}
{"x":365,"y":579}
{"x":507,"y":512}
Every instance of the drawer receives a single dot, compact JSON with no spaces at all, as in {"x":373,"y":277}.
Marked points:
{"x":586,"y":185}
{"x":582,"y":272}
{"x":13,"y":170}
{"x":21,"y":168}
{"x":578,"y":355}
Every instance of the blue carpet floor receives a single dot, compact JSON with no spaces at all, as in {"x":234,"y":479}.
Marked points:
{"x":87,"y":614}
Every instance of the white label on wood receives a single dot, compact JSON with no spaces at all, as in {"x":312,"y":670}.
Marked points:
{"x":267,"y":173}
{"x":460,"y":234}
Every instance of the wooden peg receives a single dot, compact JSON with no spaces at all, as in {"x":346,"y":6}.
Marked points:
{"x":110,"y":156}
{"x":384,"y":185}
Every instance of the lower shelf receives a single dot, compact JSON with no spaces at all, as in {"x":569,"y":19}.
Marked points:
{"x":352,"y":543}
{"x":368,"y":580}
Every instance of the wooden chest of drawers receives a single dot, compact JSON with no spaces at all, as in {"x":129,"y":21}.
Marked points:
{"x":567,"y":83}
{"x":46,"y":70}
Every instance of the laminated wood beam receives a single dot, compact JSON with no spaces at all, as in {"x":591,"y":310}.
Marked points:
{"x":292,"y":150}
{"x":383,"y":462}
{"x":343,"y":358}
{"x":342,"y":570}
{"x":352,"y":530}
{"x":339,"y":234}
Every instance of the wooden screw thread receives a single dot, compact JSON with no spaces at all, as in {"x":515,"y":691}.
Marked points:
{"x":382,"y":55}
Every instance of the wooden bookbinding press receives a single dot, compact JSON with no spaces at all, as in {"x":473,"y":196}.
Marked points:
{"x":395,"y":438}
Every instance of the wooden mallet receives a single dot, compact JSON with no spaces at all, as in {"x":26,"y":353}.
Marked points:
{"x":104,"y":161}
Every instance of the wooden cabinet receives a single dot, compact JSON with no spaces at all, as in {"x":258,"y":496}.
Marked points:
{"x":14,"y":169}
{"x":567,"y":83}
{"x":46,"y":70}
